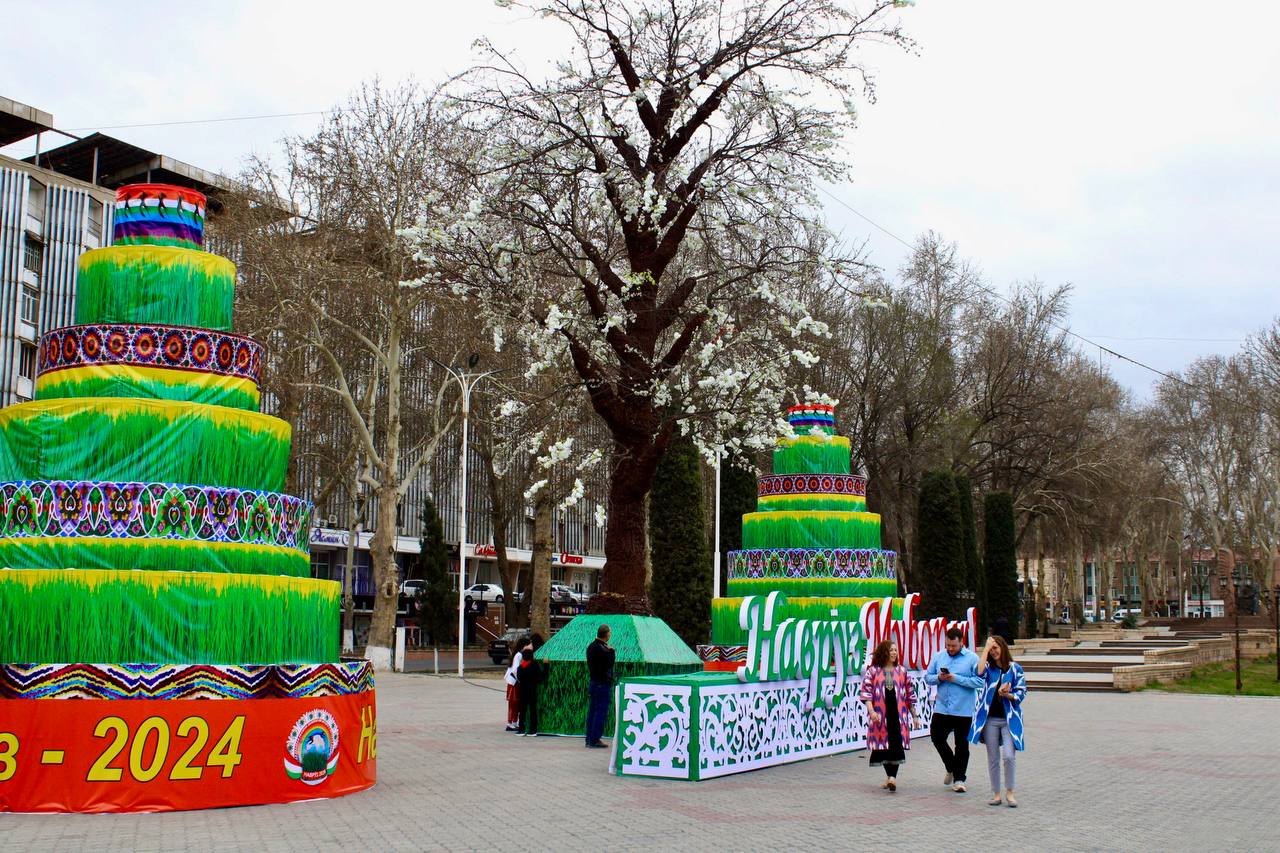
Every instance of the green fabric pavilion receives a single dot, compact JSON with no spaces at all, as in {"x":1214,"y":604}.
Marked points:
{"x":645,"y":646}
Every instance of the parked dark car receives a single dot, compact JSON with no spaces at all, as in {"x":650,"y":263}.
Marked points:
{"x":500,"y":649}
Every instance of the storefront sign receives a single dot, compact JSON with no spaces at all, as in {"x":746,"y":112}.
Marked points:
{"x":326,"y":536}
{"x":104,"y":755}
{"x":571,"y":559}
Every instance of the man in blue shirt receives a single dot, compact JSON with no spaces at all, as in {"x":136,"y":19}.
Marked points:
{"x":955,"y":671}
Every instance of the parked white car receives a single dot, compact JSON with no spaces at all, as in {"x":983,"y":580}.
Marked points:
{"x":485,"y":592}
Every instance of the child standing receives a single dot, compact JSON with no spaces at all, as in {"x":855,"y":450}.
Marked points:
{"x":513,"y":695}
{"x":528,"y":677}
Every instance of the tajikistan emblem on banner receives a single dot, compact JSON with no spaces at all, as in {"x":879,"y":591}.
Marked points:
{"x":311,"y":750}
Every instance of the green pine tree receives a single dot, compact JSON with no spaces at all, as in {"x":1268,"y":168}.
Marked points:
{"x":438,"y":600}
{"x":940,"y":561}
{"x":1001,"y":558}
{"x":975,"y":577}
{"x":738,"y":494}
{"x":681,"y":587}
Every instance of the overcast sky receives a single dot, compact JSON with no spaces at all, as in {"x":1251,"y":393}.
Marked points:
{"x":1129,"y":149}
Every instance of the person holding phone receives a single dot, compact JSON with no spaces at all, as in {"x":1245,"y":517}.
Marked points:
{"x":954,"y":671}
{"x":997,"y":720}
{"x":891,"y":711}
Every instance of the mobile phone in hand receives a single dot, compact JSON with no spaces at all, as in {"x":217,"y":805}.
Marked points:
{"x":944,"y":671}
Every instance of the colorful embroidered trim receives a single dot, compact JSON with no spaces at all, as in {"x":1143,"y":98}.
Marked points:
{"x":159,"y":214}
{"x":69,"y":508}
{"x":806,"y":418}
{"x":812,"y":563}
{"x":811,"y":484}
{"x":183,"y":681}
{"x":174,"y":347}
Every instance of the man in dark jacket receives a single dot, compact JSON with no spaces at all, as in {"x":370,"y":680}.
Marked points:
{"x":600,"y":659}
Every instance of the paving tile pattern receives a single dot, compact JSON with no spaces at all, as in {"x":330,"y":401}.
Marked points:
{"x":1144,"y":771}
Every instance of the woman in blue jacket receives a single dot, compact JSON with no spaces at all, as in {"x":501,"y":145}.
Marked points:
{"x":997,"y":719}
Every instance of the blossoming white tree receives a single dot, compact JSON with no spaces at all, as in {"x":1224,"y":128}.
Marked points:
{"x":658,"y":189}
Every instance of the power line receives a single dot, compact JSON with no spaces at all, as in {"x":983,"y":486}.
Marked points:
{"x":1063,"y":329}
{"x":1174,"y":340}
{"x":199,"y":121}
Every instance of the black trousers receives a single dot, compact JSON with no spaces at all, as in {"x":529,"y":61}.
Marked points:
{"x":957,"y":761}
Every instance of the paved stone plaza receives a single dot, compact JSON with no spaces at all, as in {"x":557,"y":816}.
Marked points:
{"x":1102,"y":772}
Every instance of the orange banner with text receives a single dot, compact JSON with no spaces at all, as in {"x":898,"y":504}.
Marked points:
{"x":126,"y":755}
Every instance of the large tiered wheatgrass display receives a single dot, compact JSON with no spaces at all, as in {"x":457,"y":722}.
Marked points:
{"x":151,"y":560}
{"x":810,"y":595}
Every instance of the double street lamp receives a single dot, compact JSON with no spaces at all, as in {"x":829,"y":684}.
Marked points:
{"x":467,"y":380}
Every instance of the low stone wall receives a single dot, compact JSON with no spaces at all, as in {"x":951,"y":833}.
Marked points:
{"x":1130,"y":678}
{"x":1169,"y":664}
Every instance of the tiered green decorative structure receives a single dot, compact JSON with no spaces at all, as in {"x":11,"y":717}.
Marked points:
{"x":810,"y":595}
{"x":811,"y":539}
{"x":142,"y":523}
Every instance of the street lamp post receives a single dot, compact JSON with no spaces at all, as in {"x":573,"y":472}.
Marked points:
{"x":715,"y":562}
{"x":466,"y":383}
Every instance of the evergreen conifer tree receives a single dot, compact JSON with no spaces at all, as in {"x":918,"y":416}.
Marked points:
{"x":437,"y":600}
{"x":975,"y":577}
{"x":738,"y":494}
{"x":1001,"y":559}
{"x":940,"y":559}
{"x":680,"y":592}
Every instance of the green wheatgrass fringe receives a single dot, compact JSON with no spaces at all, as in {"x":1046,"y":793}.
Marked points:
{"x":810,"y":530}
{"x":62,"y":621}
{"x":104,"y":440}
{"x":163,"y":555}
{"x":812,"y":503}
{"x":815,"y":587}
{"x":812,"y":455}
{"x":724,"y":614}
{"x":53,"y":387}
{"x":155,"y":284}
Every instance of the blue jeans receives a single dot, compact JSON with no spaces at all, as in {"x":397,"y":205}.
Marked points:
{"x":598,"y":695}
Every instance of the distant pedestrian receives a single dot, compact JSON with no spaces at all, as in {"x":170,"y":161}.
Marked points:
{"x":528,"y":677}
{"x":997,"y":720}
{"x":954,"y":670}
{"x":600,"y":660}
{"x":1003,"y":630}
{"x":891,"y":706}
{"x":513,"y":695}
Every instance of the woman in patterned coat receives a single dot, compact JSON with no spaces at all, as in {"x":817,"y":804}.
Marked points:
{"x":891,"y":709}
{"x":997,"y":719}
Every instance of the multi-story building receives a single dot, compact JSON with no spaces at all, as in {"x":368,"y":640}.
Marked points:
{"x":47,"y":220}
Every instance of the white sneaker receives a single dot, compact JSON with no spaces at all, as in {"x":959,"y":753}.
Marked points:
{"x":959,"y":788}
{"x":947,"y":780}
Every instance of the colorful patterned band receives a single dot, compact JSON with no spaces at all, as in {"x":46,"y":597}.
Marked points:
{"x":183,"y":681}
{"x":811,"y":484}
{"x":159,"y":215}
{"x":812,"y":415}
{"x":812,"y":563}
{"x":174,"y":347}
{"x":148,"y":511}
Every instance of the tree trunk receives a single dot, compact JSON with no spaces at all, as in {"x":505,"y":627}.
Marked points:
{"x":386,"y":574}
{"x":349,"y":571}
{"x":386,"y":580}
{"x":539,"y":593}
{"x":626,"y":543}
